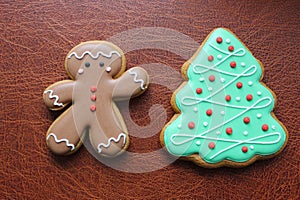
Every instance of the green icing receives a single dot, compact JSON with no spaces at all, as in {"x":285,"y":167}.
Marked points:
{"x":181,"y":140}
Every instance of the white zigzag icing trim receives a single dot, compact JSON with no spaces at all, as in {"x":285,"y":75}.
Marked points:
{"x":51,"y":96}
{"x":68,"y":144}
{"x":94,"y":56}
{"x":132,"y":72}
{"x":112,"y":139}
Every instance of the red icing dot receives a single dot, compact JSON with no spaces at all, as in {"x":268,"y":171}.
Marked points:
{"x":233,"y":64}
{"x":211,"y":145}
{"x":230,"y":48}
{"x":265,"y":127}
{"x":191,"y":125}
{"x":93,"y":108}
{"x":211,"y":78}
{"x":249,"y":97}
{"x":246,"y":120}
{"x":209,"y":112}
{"x":199,"y":90}
{"x":229,"y":131}
{"x":239,"y":85}
{"x":219,"y":40}
{"x":244,"y":149}
{"x":210,"y":58}
{"x":93,"y":89}
{"x":93,"y":97}
{"x":228,"y":98}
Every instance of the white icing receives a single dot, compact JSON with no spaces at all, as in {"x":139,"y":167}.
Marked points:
{"x":205,"y":124}
{"x":108,"y":69}
{"x":209,"y":88}
{"x":254,"y":140}
{"x":223,"y":112}
{"x":245,"y":132}
{"x":198,"y":142}
{"x":195,"y":109}
{"x":243,"y":64}
{"x":201,"y":79}
{"x":179,"y":126}
{"x":259,"y":115}
{"x":222,"y":80}
{"x":219,"y":56}
{"x":251,"y":147}
{"x":68,"y":144}
{"x":51,"y":96}
{"x":227,"y":40}
{"x":258,"y":93}
{"x":273,"y":127}
{"x":250,"y":83}
{"x":238,"y":98}
{"x":112,"y":139}
{"x":94,"y":56}
{"x":218,"y":132}
{"x":80,"y":71}
{"x":132,"y":72}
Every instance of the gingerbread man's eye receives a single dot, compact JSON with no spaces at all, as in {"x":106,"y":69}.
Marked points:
{"x":87,"y":64}
{"x":101,"y":64}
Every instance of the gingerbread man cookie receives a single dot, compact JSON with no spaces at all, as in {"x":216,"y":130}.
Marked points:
{"x":97,"y":70}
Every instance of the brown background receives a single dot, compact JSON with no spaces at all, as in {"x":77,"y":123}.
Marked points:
{"x":36,"y":36}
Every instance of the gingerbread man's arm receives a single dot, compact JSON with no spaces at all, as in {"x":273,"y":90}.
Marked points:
{"x":58,"y":95}
{"x":131,"y":84}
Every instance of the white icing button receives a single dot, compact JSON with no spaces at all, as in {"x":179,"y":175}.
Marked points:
{"x":219,"y":57}
{"x":195,"y":109}
{"x":250,"y":83}
{"x":80,"y":71}
{"x":210,"y":89}
{"x":179,"y":126}
{"x":218,"y":132}
{"x":251,"y":147}
{"x":238,"y":98}
{"x":273,"y":127}
{"x":258,"y":115}
{"x":258,"y":93}
{"x":222,"y":80}
{"x":227,"y":40}
{"x":205,"y":124}
{"x":243,"y":64}
{"x":201,"y":79}
{"x":198,"y":142}
{"x":245,"y":132}
{"x":108,"y":69}
{"x":222,"y":112}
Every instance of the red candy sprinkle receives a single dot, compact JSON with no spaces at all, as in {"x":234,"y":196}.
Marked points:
{"x":93,"y":97}
{"x":93,"y":89}
{"x":228,"y":98}
{"x":191,"y":125}
{"x":249,"y":97}
{"x":265,"y":127}
{"x":230,"y":48}
{"x":210,"y":58}
{"x":244,"y":149}
{"x":229,"y":131}
{"x":211,"y":78}
{"x":199,"y":90}
{"x":246,"y":120}
{"x":93,"y":107}
{"x":211,"y":145}
{"x":219,"y":40}
{"x":239,"y":85}
{"x":233,"y":64}
{"x":209,"y":112}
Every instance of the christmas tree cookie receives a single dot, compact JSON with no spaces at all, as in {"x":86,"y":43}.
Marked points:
{"x":224,"y":112}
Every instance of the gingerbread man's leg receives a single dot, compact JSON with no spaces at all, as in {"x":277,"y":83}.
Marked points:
{"x":64,"y":137}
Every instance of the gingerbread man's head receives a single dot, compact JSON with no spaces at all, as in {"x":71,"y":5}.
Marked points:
{"x":106,"y":56}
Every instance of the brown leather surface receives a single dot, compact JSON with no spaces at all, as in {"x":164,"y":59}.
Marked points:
{"x":35,"y":38}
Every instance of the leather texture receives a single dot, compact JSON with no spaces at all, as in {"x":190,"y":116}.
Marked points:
{"x":36,"y":36}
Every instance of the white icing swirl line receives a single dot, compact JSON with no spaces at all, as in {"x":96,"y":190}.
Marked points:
{"x":132,"y":72}
{"x":94,"y":56}
{"x":112,"y":139}
{"x":68,"y":144}
{"x":51,"y":96}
